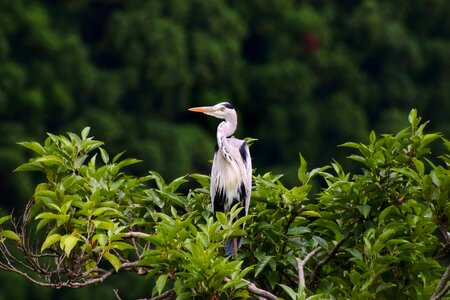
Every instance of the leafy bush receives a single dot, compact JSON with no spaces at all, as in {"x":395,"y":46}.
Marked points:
{"x":379,"y":233}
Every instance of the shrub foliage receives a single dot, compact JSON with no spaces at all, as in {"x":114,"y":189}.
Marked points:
{"x":378,"y":233}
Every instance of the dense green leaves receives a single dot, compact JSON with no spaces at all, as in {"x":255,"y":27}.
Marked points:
{"x":304,"y":76}
{"x":369,"y":234}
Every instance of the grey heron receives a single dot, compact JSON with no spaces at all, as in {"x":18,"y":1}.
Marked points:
{"x":231,"y":173}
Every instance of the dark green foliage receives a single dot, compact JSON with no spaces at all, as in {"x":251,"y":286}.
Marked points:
{"x":304,"y":76}
{"x":378,"y":233}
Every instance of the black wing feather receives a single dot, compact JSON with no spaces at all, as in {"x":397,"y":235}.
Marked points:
{"x":219,"y":201}
{"x":243,"y":152}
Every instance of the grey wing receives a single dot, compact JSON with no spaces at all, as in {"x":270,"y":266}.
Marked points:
{"x":248,"y":177}
{"x":244,"y":152}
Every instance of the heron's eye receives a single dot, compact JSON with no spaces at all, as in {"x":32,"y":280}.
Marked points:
{"x":222,"y":108}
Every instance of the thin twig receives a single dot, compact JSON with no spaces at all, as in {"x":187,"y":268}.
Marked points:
{"x":301,"y":264}
{"x":327,"y":258}
{"x":443,"y":287}
{"x":255,"y":291}
{"x":116,"y":293}
{"x":135,"y":234}
{"x":166,"y":295}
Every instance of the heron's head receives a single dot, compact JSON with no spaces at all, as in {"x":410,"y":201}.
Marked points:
{"x":223,"y":110}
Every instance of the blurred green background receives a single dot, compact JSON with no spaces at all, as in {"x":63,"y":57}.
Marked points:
{"x":304,"y":76}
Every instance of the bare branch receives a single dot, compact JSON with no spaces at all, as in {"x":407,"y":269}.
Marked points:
{"x":116,"y":293}
{"x":444,"y":231}
{"x":301,"y":264}
{"x":257,"y":292}
{"x":135,"y":234}
{"x":443,"y":287}
{"x":166,"y":295}
{"x":60,"y":273}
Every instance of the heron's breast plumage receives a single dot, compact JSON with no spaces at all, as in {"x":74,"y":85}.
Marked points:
{"x":228,"y":181}
{"x":229,"y":175}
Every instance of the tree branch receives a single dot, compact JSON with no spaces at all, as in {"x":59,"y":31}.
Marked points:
{"x":301,"y":264}
{"x":166,"y":295}
{"x":443,"y":287}
{"x":61,"y":276}
{"x":257,"y":292}
{"x":444,"y":231}
{"x":116,"y":293}
{"x":55,"y":269}
{"x":135,"y":234}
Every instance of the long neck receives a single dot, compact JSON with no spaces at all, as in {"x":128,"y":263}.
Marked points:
{"x":224,"y":131}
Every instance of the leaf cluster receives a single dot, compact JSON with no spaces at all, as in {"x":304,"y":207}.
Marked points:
{"x":377,"y":233}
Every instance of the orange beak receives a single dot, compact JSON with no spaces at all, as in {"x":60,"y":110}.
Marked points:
{"x":202,"y":109}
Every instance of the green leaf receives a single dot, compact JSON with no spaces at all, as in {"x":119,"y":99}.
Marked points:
{"x":51,"y":161}
{"x":106,"y":225}
{"x":68,"y":181}
{"x":118,"y":156}
{"x":60,"y":218}
{"x":203,"y":180}
{"x":79,"y":161}
{"x":372,"y":137}
{"x":120,"y":246}
{"x":428,"y":138}
{"x":113,"y":260}
{"x":385,"y":235}
{"x":262,"y":264}
{"x":302,"y":173}
{"x":387,"y":211}
{"x":161,"y":283}
{"x":242,"y":220}
{"x":364,"y":210}
{"x":419,"y":166}
{"x":99,"y":211}
{"x":350,"y":145}
{"x":105,"y":156}
{"x":67,"y":243}
{"x":385,"y":286}
{"x":311,"y":213}
{"x":435,"y":179}
{"x":46,"y":196}
{"x":90,"y":145}
{"x":4,"y":219}
{"x":329,"y":224}
{"x":412,"y":118}
{"x":42,"y":223}
{"x":50,"y":240}
{"x":323,"y":243}
{"x":297,"y":231}
{"x":75,"y":139}
{"x":221,"y":217}
{"x":355,"y":253}
{"x":250,"y":140}
{"x":85,"y":132}
{"x":357,"y":158}
{"x":34,"y":146}
{"x":101,"y":238}
{"x":289,"y":291}
{"x":124,"y":163}
{"x":9,"y":234}
{"x":31,"y":166}
{"x":175,"y":184}
{"x":158,"y":180}
{"x":317,"y":171}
